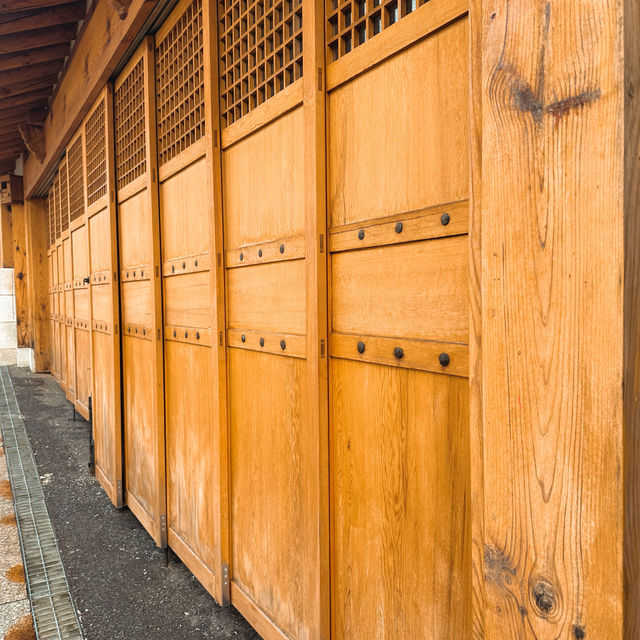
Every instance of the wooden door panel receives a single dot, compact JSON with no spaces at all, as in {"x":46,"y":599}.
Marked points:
{"x":398,"y":177}
{"x":62,"y":318}
{"x":104,"y":298}
{"x":272,"y":467}
{"x":82,"y":313}
{"x":400,"y":471}
{"x":415,"y":290}
{"x":191,"y":269}
{"x":398,"y":134}
{"x":273,"y":454}
{"x":140,"y":292}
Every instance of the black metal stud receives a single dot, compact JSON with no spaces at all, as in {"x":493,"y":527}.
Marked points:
{"x":444,"y":359}
{"x":134,"y":274}
{"x":241,"y":257}
{"x":195,"y":263}
{"x":244,"y":338}
{"x":361,"y":234}
{"x":260,"y":253}
{"x":173,"y":268}
{"x":398,"y":353}
{"x":174,"y":333}
{"x":360,"y":347}
{"x":142,"y":274}
{"x":283,"y":345}
{"x":262,"y":342}
{"x":399,"y":227}
{"x":184,"y":265}
{"x":281,"y":248}
{"x":445,"y":219}
{"x":186,"y":335}
{"x":197,"y":335}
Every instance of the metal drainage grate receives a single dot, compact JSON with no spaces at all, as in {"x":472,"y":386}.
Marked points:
{"x":54,"y":613}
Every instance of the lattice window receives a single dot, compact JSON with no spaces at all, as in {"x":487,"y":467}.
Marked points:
{"x":352,"y":22}
{"x":130,"y":127}
{"x":49,"y":214}
{"x":56,"y":204}
{"x":180,"y":84}
{"x":64,"y":197}
{"x":76,"y":179}
{"x":95,"y":135}
{"x":260,"y":52}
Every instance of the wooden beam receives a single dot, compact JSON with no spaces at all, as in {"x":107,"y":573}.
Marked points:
{"x":33,"y":139}
{"x":20,"y":88}
{"x":6,"y":237}
{"x":122,"y":7}
{"x":11,"y":6}
{"x":30,"y":100}
{"x":95,"y":57}
{"x":38,"y":38}
{"x":34,"y":56}
{"x":30,"y":74}
{"x":38,"y":282}
{"x":560,"y":310}
{"x":17,"y":115}
{"x":42,"y":19}
{"x":20,"y":274}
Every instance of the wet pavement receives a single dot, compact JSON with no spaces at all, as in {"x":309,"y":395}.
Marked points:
{"x":120,"y":583}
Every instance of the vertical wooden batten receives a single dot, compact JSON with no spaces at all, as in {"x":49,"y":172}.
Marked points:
{"x":38,"y":282}
{"x":317,"y":343}
{"x":220,"y":459}
{"x":555,"y":499}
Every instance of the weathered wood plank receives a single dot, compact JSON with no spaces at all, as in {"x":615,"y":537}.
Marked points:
{"x":37,"y":282}
{"x":33,"y":56}
{"x":20,"y":274}
{"x":37,"y":38}
{"x":551,"y":210}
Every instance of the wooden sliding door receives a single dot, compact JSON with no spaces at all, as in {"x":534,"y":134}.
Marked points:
{"x":140,"y":292}
{"x":53,"y":283}
{"x":68,"y":355}
{"x":273,"y":190}
{"x":192,"y":295}
{"x":103,"y":265}
{"x":398,"y":175}
{"x":79,"y":275}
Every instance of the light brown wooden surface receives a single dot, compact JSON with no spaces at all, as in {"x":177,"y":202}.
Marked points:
{"x":399,"y":417}
{"x":21,"y":275}
{"x":188,"y":231}
{"x":38,"y":282}
{"x":141,"y":293}
{"x":553,"y":285}
{"x":6,"y":237}
{"x":104,"y":310}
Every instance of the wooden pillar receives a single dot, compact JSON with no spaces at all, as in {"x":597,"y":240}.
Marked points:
{"x":20,"y":274}
{"x":556,"y":227}
{"x":38,"y":282}
{"x":6,"y":237}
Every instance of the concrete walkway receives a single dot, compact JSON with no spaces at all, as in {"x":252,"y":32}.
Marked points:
{"x":15,"y":612}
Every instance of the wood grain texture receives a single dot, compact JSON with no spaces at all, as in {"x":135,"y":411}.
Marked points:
{"x":632,"y":320}
{"x":399,"y":498}
{"x":273,"y":527}
{"x":37,"y":283}
{"x":415,"y":290}
{"x":263,"y":183}
{"x":21,"y":274}
{"x":552,"y":319}
{"x":426,"y":85}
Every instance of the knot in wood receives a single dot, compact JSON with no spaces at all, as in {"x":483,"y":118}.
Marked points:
{"x":544,"y":597}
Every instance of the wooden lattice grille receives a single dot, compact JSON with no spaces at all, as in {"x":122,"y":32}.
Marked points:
{"x":56,"y":205}
{"x":49,"y":214}
{"x":130,"y":127}
{"x":180,"y":84}
{"x":64,"y":197}
{"x":260,"y":52}
{"x":76,"y":180}
{"x":95,"y":136}
{"x":352,"y":22}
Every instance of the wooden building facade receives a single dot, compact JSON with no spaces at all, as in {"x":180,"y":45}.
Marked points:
{"x":350,"y":290}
